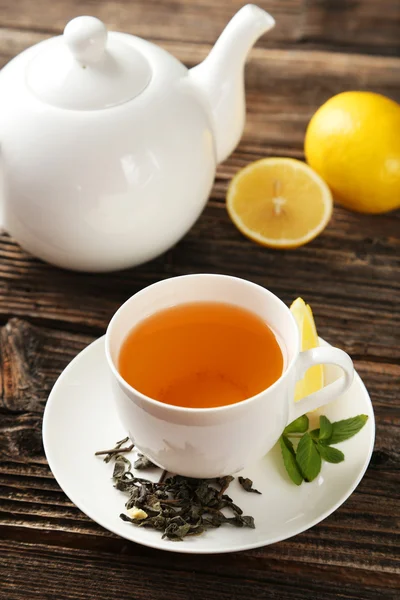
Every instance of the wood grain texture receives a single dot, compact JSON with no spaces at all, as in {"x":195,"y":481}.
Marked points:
{"x":283,"y":88}
{"x":76,"y":574}
{"x":350,"y":275}
{"x":333,"y":24}
{"x":366,"y":25}
{"x":360,"y":535}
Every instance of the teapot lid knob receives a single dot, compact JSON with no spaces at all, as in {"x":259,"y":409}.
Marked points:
{"x":86,"y":38}
{"x":89,"y":68}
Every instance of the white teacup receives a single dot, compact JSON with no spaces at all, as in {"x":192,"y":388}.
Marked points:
{"x":209,"y":442}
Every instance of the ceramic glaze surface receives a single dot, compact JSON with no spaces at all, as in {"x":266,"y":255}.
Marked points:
{"x":80,"y":418}
{"x":103,"y":190}
{"x":210,"y":442}
{"x":109,"y":145}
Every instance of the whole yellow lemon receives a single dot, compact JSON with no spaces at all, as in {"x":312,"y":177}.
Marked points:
{"x":353,"y":142}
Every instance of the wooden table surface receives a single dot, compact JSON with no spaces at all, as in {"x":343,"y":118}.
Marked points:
{"x":350,"y":276}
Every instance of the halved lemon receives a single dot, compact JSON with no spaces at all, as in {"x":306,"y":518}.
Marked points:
{"x":279,"y":202}
{"x":313,"y":380}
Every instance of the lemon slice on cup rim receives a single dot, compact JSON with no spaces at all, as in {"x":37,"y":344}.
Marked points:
{"x":313,"y":379}
{"x":279,"y":202}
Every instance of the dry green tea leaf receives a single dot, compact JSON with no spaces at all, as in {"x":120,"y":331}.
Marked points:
{"x":177,"y":506}
{"x":247,"y":485}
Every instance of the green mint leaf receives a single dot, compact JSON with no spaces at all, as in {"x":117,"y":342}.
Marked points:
{"x":344,"y":430}
{"x":325,"y":428}
{"x":331,"y":455}
{"x":314,"y":433}
{"x":300,"y":425}
{"x":308,"y":457}
{"x":289,"y":460}
{"x":288,"y":444}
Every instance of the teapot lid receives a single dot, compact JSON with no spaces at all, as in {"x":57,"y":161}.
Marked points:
{"x":87,"y":69}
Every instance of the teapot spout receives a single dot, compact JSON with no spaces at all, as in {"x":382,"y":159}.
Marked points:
{"x":220,"y":76}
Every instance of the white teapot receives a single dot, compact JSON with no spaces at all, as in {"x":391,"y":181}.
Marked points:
{"x":108,"y":144}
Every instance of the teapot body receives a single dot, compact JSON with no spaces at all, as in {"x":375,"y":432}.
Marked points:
{"x":101,"y":190}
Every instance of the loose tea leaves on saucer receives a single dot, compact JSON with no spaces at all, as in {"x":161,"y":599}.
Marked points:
{"x":114,"y":451}
{"x":176,"y":506}
{"x":143,"y":462}
{"x":247,"y":485}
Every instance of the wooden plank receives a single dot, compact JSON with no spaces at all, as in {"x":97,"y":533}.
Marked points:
{"x":27,"y":375}
{"x":354,"y":538}
{"x":200,"y":21}
{"x":283,"y":88}
{"x":38,"y":502}
{"x":32,"y":507}
{"x":32,"y":358}
{"x":68,"y":573}
{"x":350,"y":275}
{"x":361,"y":26}
{"x":365,"y":24}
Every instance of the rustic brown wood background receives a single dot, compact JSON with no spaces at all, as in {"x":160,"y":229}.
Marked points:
{"x":350,"y":275}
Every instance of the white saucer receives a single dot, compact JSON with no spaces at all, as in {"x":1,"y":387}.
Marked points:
{"x":80,"y":419}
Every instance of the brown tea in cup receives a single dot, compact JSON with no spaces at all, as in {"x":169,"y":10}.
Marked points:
{"x":201,"y":355}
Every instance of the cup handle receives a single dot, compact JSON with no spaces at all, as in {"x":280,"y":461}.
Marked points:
{"x":317,"y":356}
